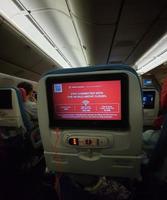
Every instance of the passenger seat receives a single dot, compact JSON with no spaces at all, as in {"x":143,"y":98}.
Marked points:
{"x":20,"y":142}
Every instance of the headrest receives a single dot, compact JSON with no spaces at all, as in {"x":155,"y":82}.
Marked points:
{"x":13,"y":113}
{"x":118,"y":67}
{"x":10,"y":108}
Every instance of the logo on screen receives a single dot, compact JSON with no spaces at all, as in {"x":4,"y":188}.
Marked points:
{"x":85,"y":102}
{"x":58,"y":88}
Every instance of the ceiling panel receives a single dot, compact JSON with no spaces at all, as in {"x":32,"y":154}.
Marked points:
{"x":136,"y":21}
{"x":124,"y":35}
{"x":121,"y":50}
{"x":95,"y":22}
{"x":37,"y":5}
{"x":102,"y":43}
{"x":96,"y":40}
{"x":136,"y":12}
{"x":13,"y":8}
{"x":121,"y":30}
{"x":126,"y":39}
{"x":60,"y":29}
{"x":96,"y":11}
{"x":152,"y":36}
{"x":53,"y":18}
{"x":130,"y":32}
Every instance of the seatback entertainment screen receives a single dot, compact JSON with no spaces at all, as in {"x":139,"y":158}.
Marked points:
{"x":97,"y":100}
{"x":148,"y":99}
{"x":88,"y":101}
{"x":5,"y":99}
{"x":147,"y":82}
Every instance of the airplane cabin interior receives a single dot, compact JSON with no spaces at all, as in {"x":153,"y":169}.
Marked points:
{"x":98,"y":75}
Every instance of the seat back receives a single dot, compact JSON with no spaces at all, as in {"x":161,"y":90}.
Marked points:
{"x":91,"y":120}
{"x":12,"y":129}
{"x":150,"y":105}
{"x":20,"y":142}
{"x":10,"y":113}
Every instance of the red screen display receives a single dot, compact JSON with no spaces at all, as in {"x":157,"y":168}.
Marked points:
{"x":92,"y":100}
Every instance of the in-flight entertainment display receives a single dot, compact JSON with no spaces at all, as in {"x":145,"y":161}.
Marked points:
{"x":92,"y":100}
{"x":148,"y":99}
{"x":5,"y":99}
{"x":147,"y":82}
{"x":99,"y":101}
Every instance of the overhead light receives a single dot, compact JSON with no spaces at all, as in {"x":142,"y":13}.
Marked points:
{"x":21,"y":18}
{"x":154,"y":57}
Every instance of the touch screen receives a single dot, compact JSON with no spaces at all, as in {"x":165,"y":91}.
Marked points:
{"x":92,"y":100}
{"x":98,"y":101}
{"x":5,"y":99}
{"x":148,"y":99}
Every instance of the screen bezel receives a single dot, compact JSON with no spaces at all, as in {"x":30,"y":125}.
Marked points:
{"x":86,"y":124}
{"x":152,"y":106}
{"x":7,"y":99}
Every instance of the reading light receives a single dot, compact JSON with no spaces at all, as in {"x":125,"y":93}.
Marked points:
{"x":23,"y":19}
{"x":154,"y":57}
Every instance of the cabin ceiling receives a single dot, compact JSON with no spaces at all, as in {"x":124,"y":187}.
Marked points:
{"x":107,"y":31}
{"x":19,"y":57}
{"x":119,"y":31}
